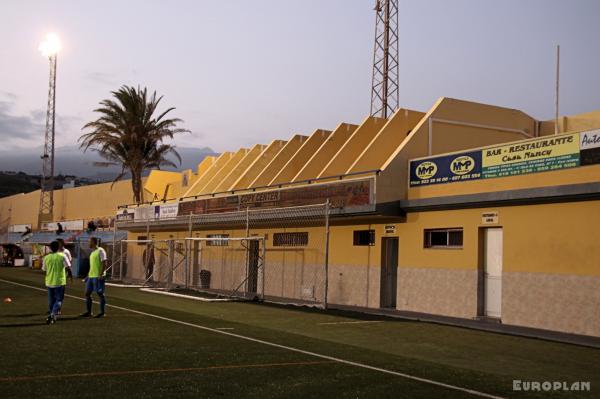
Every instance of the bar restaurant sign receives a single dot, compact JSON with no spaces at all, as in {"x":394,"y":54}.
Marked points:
{"x":533,"y":156}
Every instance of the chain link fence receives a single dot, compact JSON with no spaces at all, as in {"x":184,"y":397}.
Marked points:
{"x":276,"y":254}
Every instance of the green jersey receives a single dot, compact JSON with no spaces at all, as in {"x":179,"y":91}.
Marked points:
{"x":54,"y":264}
{"x":96,"y":258}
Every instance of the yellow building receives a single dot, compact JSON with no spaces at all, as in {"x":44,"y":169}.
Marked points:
{"x":468,"y":211}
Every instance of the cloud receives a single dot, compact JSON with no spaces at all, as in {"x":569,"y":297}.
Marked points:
{"x":18,"y":127}
{"x":12,"y":97}
{"x":104,"y":78}
{"x":25,"y":130}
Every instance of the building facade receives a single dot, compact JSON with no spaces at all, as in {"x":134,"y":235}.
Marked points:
{"x":468,"y":210}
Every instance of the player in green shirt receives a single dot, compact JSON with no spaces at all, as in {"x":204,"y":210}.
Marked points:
{"x":95,"y":278}
{"x":55,"y":265}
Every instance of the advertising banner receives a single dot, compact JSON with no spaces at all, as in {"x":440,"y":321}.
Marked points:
{"x":168,"y":211}
{"x":531,"y":157}
{"x":446,"y":169}
{"x":146,"y":212}
{"x":126,"y":214}
{"x":340,"y":195}
{"x":589,"y":144}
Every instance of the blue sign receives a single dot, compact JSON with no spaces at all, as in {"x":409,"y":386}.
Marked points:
{"x":446,"y":169}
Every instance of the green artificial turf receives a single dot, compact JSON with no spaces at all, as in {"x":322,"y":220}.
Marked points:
{"x":132,"y":355}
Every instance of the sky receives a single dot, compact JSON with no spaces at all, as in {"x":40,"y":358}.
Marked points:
{"x":241,"y":72}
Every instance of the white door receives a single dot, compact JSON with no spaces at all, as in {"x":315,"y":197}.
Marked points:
{"x":493,"y":272}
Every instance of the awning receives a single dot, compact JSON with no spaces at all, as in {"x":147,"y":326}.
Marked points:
{"x":10,"y":238}
{"x":102,"y":235}
{"x":46,"y":237}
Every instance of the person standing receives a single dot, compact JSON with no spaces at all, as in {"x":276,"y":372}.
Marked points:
{"x":62,"y":249}
{"x":95,"y":279}
{"x":55,"y":265}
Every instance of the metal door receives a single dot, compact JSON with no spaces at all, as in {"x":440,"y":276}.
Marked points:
{"x":389,"y":272}
{"x":493,"y":272}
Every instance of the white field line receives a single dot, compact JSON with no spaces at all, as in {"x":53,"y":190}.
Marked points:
{"x":195,"y":298}
{"x":351,"y":322}
{"x":289,"y":348}
{"x":224,"y":328}
{"x":124,"y":285}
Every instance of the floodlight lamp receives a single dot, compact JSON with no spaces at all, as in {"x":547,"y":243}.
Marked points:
{"x":50,"y":46}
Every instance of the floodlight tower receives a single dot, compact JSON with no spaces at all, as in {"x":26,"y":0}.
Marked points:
{"x":49,"y":48}
{"x":384,"y":91}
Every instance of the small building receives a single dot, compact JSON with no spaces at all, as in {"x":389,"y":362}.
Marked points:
{"x":469,"y":211}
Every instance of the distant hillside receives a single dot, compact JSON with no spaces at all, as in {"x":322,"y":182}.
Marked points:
{"x":19,"y":182}
{"x":72,"y":161}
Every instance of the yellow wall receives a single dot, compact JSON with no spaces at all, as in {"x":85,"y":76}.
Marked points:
{"x":386,"y":141}
{"x":21,"y":208}
{"x":279,"y":161}
{"x":86,"y":202}
{"x":210,"y":172}
{"x":315,"y":161}
{"x":258,"y":165}
{"x":229,"y":178}
{"x":299,"y":159}
{"x":545,"y":238}
{"x":157,"y":182}
{"x":203,"y":166}
{"x":391,"y":184}
{"x":353,"y":147}
{"x":569,"y":123}
{"x":216,"y":177}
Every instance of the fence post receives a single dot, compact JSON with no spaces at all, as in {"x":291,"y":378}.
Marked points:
{"x":248,"y":246}
{"x":187,"y":253}
{"x":120,"y":260}
{"x":114,"y":246}
{"x":326,"y":266}
{"x":264,"y":264}
{"x":171,"y":261}
{"x":247,"y":221}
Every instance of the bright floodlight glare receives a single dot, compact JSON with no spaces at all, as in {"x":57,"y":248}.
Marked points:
{"x":50,"y":46}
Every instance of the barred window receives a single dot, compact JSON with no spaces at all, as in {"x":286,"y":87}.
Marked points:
{"x":364,"y":237}
{"x":290,"y":239}
{"x":217,"y":243}
{"x":443,"y":238}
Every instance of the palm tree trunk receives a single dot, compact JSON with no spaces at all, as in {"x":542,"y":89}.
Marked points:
{"x":136,"y":185}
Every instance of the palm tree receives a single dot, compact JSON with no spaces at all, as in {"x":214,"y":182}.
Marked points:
{"x":128,"y":134}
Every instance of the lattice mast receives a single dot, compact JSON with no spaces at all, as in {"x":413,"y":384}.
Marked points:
{"x":47,"y":192}
{"x":384,"y":91}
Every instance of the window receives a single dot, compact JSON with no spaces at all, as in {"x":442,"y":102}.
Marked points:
{"x":217,"y":243}
{"x":290,"y":239}
{"x":444,"y":238}
{"x":364,"y":237}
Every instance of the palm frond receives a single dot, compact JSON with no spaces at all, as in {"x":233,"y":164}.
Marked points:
{"x":129,"y":133}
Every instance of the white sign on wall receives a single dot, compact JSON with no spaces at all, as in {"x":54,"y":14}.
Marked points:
{"x":590,"y":139}
{"x":144,"y":213}
{"x":168,"y":211}
{"x":489,"y":217}
{"x":390,"y":229}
